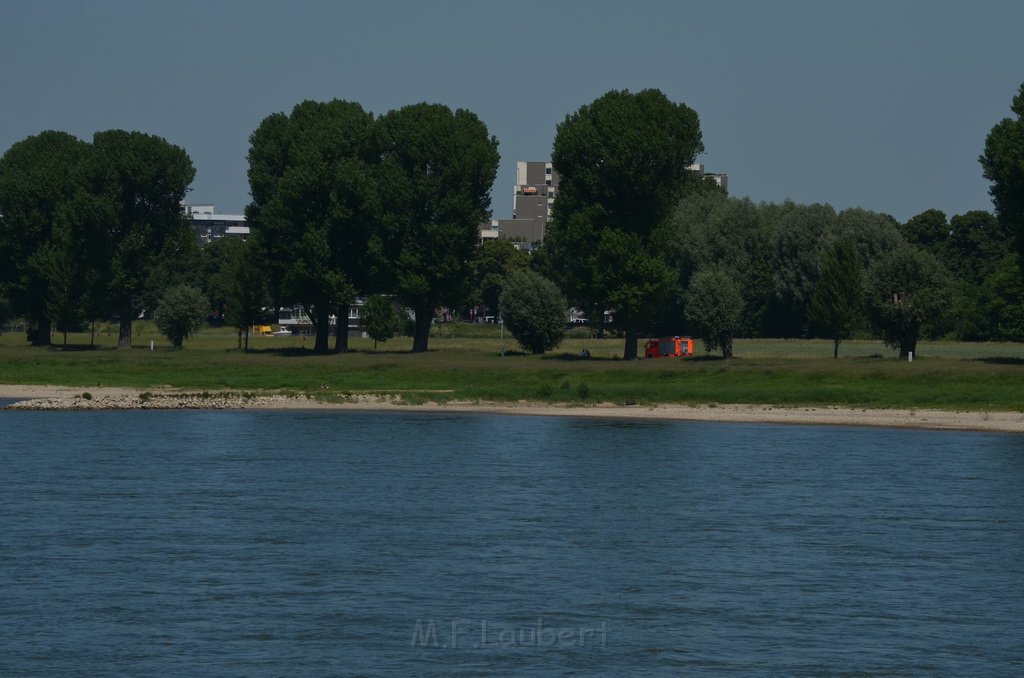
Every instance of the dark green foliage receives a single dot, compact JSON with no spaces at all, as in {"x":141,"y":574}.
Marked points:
{"x":622,"y":161}
{"x":929,"y":229}
{"x":180,"y":313}
{"x":491,"y":264}
{"x":1003,"y":165}
{"x":873,"y":234}
{"x":5,"y":308}
{"x":40,"y":178}
{"x":999,"y":303}
{"x":214,"y":261}
{"x":534,"y":310}
{"x":714,"y":304}
{"x":245,"y":288}
{"x":92,"y":228}
{"x":715,"y":230}
{"x":798,"y":237}
{"x":909,"y":295}
{"x":137,"y":183}
{"x":379,"y":319}
{"x":774,"y":251}
{"x":313,"y":209}
{"x":836,"y":307}
{"x":977,"y":243}
{"x":435,"y":172}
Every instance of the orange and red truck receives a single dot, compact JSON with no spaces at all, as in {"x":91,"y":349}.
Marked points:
{"x":669,"y":347}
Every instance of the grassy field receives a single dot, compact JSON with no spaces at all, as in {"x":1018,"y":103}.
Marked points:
{"x":475,"y":363}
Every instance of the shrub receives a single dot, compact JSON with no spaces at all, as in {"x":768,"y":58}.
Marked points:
{"x":379,"y":319}
{"x":534,"y":310}
{"x":180,"y":313}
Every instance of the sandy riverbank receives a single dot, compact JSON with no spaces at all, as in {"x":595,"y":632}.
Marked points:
{"x":113,"y":398}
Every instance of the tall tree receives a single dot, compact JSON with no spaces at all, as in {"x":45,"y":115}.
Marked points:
{"x":245,"y":288}
{"x":794,"y":257}
{"x":435,"y":176}
{"x":622,"y":161}
{"x":39,"y":180}
{"x":908,"y":295}
{"x":312,"y":209}
{"x":837,"y":303}
{"x":1003,"y":165}
{"x":138,"y":182}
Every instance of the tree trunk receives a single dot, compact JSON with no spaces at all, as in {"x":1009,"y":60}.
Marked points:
{"x":245,"y":348}
{"x":322,"y":325}
{"x":909,"y":333}
{"x":41,"y":337}
{"x":92,"y":334}
{"x":424,"y":316}
{"x":124,"y":334}
{"x":341,"y":335}
{"x":629,"y":353}
{"x":727,"y":348}
{"x":835,"y":351}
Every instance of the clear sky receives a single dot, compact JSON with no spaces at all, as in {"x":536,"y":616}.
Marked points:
{"x":883,"y":105}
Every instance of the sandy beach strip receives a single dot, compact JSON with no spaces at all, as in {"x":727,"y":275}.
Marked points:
{"x":34,"y":397}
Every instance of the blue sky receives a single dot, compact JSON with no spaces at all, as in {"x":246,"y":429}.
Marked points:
{"x":880,"y":105}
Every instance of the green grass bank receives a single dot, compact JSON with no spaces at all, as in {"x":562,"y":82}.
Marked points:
{"x":473,"y":363}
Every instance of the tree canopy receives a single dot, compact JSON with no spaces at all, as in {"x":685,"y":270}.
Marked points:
{"x":90,"y":227}
{"x":138,"y":182}
{"x":379,"y":319}
{"x":1003,"y":165}
{"x":908,"y":296}
{"x":40,"y":178}
{"x":180,"y":313}
{"x":836,"y":306}
{"x":623,"y":164}
{"x":313,"y":208}
{"x":435,"y":171}
{"x":714,"y":304}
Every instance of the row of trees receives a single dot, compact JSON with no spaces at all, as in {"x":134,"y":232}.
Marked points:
{"x":346,"y":203}
{"x":343,"y":203}
{"x":634,"y":233}
{"x":794,"y":270}
{"x":89,"y":230}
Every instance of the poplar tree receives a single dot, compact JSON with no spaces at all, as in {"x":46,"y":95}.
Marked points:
{"x":1003,"y":165}
{"x":836,"y":305}
{"x":436,"y":168}
{"x":40,"y":266}
{"x":623,"y":164}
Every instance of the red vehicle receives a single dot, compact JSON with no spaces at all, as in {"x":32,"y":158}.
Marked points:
{"x":669,"y":347}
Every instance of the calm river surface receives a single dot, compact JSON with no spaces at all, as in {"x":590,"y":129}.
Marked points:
{"x":338,"y":543}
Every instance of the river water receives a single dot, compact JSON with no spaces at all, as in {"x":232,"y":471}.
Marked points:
{"x":238,"y":543}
